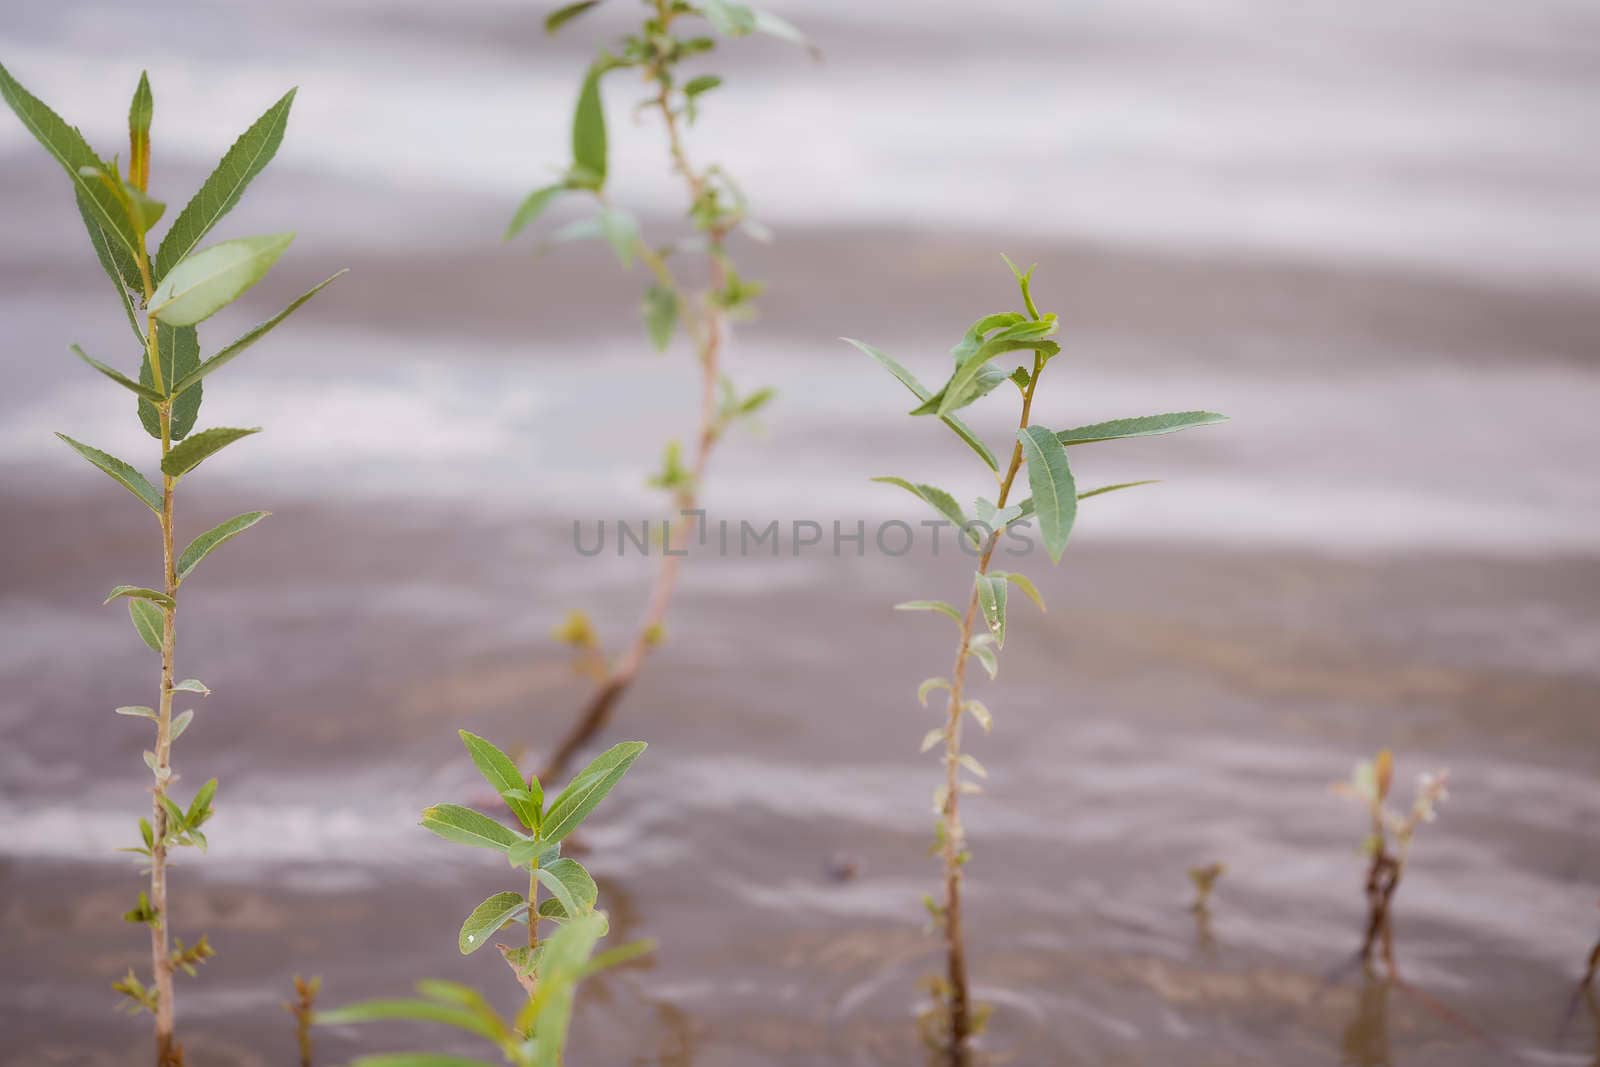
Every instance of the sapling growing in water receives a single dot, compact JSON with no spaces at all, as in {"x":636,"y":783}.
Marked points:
{"x":547,"y":970}
{"x":698,"y":298}
{"x":165,"y":294}
{"x":1053,"y":502}
{"x":1388,"y":844}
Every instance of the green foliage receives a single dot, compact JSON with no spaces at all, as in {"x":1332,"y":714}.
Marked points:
{"x":103,"y":207}
{"x":535,"y":1037}
{"x":524,"y":798}
{"x":206,"y":282}
{"x":549,"y":972}
{"x":180,"y":355}
{"x":1055,"y":492}
{"x":202,"y":546}
{"x":907,"y":379}
{"x":979,"y":370}
{"x":589,"y":149}
{"x":191,"y":453}
{"x":563,"y":15}
{"x":941,"y":501}
{"x":573,"y":890}
{"x":220,"y":192}
{"x":489,"y":917}
{"x":1143,"y":426}
{"x":163,"y":297}
{"x":189,"y":380}
{"x":117,"y":376}
{"x":119,"y":471}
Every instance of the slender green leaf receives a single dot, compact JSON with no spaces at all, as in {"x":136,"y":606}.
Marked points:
{"x":588,"y":789}
{"x":200,"y":806}
{"x":563,"y":963}
{"x":455,"y":993}
{"x":487,"y":918}
{"x":563,"y":15}
{"x":202,"y":546}
{"x":784,"y":30}
{"x":531,"y":208}
{"x":985,"y":655}
{"x":191,"y":379}
{"x":136,"y":711}
{"x":525,"y":854}
{"x":467,"y":827}
{"x":148,"y":620}
{"x":660,"y":315}
{"x":732,"y":19}
{"x":116,"y":375}
{"x":1098,"y":490}
{"x":621,"y":232}
{"x":1143,"y":426}
{"x":191,"y":453}
{"x":192,"y":685}
{"x":1026,"y":507}
{"x":928,"y":686}
{"x":117,"y":262}
{"x":122,"y":473}
{"x":980,"y":712}
{"x":618,"y":956}
{"x":180,"y":357}
{"x":703,"y":84}
{"x":210,"y":280}
{"x":905,"y":378}
{"x":930,"y":605}
{"x":1055,"y":493}
{"x":1010,"y":333}
{"x":577,"y":892}
{"x":1024,"y":583}
{"x":427,"y":1011}
{"x":589,"y":129}
{"x":992,"y":599}
{"x":140,"y":112}
{"x":180,"y":723}
{"x":937,"y":498}
{"x":221,"y":191}
{"x":501,"y":772}
{"x":141,"y":593}
{"x":67,"y":145}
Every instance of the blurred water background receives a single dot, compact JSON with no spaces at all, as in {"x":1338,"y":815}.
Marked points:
{"x":1369,"y":233}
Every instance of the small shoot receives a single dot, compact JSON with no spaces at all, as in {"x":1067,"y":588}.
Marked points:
{"x":1024,"y":338}
{"x":1388,"y":842}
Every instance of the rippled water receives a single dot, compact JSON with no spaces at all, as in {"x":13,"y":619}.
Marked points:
{"x":1366,"y":234}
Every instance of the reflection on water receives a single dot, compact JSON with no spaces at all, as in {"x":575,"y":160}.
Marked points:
{"x":1365,"y":1042}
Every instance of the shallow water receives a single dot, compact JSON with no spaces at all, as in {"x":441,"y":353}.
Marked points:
{"x":1281,"y":217}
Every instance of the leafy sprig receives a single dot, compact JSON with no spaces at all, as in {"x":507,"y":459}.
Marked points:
{"x":979,"y":369}
{"x":672,"y":37}
{"x":165,"y":296}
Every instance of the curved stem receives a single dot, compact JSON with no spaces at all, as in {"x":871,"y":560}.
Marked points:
{"x":706,"y":323}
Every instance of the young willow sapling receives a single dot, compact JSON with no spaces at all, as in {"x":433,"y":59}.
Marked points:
{"x":1053,"y":502}
{"x":1388,"y":844}
{"x":165,"y":296}
{"x":671,"y":35}
{"x":548,"y":970}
